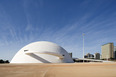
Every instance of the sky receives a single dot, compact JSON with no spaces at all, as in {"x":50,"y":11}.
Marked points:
{"x":59,"y":21}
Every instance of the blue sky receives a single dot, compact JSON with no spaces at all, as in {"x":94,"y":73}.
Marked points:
{"x":58,"y":21}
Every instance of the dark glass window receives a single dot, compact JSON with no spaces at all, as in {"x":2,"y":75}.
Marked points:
{"x":63,"y":55}
{"x":25,"y":50}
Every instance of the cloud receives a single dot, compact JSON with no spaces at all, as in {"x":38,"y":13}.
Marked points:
{"x":98,"y":26}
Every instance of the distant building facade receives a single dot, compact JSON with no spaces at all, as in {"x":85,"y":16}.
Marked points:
{"x":114,"y":52}
{"x":107,"y":51}
{"x":97,"y":56}
{"x":70,"y":54}
{"x":89,"y":56}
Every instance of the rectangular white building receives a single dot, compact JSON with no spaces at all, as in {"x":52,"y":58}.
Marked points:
{"x":108,"y":51}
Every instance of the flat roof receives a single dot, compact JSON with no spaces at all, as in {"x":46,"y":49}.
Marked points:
{"x":108,"y":43}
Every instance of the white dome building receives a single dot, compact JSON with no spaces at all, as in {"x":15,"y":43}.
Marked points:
{"x":42,"y":52}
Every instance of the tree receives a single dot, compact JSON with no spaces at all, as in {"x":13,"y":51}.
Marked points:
{"x":4,"y":61}
{"x":7,"y":61}
{"x":1,"y":61}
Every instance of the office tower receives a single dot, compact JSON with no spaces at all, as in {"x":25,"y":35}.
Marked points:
{"x":97,"y":55}
{"x":70,"y":54}
{"x":114,"y":52}
{"x":108,"y":51}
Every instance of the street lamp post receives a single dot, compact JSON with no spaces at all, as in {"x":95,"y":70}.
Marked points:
{"x":83,"y":47}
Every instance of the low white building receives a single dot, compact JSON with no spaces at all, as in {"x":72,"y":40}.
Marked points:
{"x":42,"y":52}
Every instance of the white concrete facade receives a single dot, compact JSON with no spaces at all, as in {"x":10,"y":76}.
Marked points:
{"x":42,"y":52}
{"x":108,"y":51}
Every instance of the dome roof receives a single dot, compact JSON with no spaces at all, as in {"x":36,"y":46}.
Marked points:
{"x":42,"y":52}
